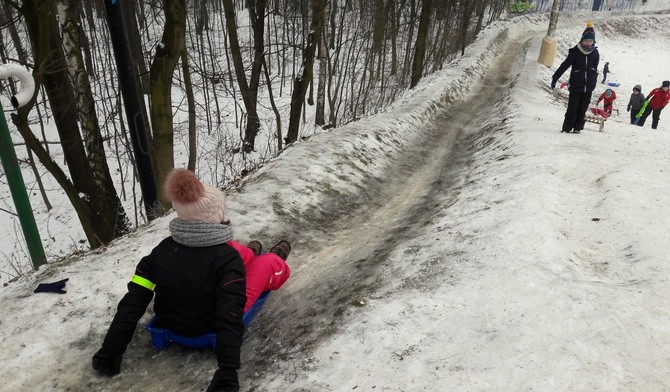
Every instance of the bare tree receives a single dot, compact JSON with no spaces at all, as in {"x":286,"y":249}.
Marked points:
{"x":190,"y":101}
{"x":257,"y":19}
{"x":97,"y":206}
{"x":72,"y":36}
{"x":420,"y":45}
{"x":302,"y":81}
{"x":320,"y":117}
{"x":465,"y":14}
{"x":248,"y":90}
{"x":133,"y":15}
{"x":168,"y":52}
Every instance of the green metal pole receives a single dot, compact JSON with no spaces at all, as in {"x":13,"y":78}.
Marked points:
{"x":18,"y":189}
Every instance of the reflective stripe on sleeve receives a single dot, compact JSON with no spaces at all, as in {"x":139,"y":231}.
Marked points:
{"x":144,"y":282}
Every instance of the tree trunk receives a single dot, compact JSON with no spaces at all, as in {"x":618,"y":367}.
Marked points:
{"x":201,"y":16}
{"x":466,"y":12}
{"x":81,"y":208}
{"x":393,"y":15}
{"x":167,"y":55}
{"x":320,"y":116}
{"x":135,"y":40}
{"x":85,"y":104}
{"x":13,"y":32}
{"x":302,"y":80}
{"x":408,"y":46}
{"x":379,"y":27}
{"x":51,"y":71}
{"x":481,"y":7}
{"x":238,"y":64}
{"x":257,"y":19}
{"x":420,"y":45}
{"x":38,"y":180}
{"x":333,"y":14}
{"x":274,"y":106}
{"x":188,"y":87}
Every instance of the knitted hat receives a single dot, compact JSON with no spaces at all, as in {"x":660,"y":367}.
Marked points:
{"x":666,"y":83}
{"x":589,"y":33}
{"x":193,"y":200}
{"x":608,"y":92}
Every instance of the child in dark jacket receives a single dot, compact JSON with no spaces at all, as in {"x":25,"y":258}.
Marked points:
{"x":635,"y":103}
{"x":583,"y":58}
{"x":606,"y":70}
{"x":198,"y":279}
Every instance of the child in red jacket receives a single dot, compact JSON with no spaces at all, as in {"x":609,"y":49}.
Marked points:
{"x":608,"y":96}
{"x":265,"y":271}
{"x":657,"y":99}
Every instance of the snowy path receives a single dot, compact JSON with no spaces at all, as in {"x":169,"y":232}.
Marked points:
{"x":549,"y":276}
{"x":351,"y":262}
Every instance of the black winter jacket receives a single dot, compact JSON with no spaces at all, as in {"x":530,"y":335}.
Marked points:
{"x":584,"y":73}
{"x":198,"y":291}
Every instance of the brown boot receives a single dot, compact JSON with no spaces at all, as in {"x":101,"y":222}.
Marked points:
{"x":282,"y":249}
{"x":255,"y":247}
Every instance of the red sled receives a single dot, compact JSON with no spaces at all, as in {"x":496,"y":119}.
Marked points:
{"x":600,"y":112}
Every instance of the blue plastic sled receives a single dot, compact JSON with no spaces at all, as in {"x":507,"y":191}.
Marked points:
{"x":161,"y":338}
{"x":614,"y":84}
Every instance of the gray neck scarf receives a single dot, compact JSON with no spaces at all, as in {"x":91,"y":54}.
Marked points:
{"x":198,"y":234}
{"x":584,"y":50}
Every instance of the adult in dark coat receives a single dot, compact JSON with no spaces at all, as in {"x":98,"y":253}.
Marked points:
{"x":197,"y":278}
{"x":583,"y":59}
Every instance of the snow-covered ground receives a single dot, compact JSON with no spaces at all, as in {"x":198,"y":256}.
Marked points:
{"x":532,"y":260}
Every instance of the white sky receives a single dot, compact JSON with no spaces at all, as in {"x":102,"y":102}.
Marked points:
{"x":546,"y":268}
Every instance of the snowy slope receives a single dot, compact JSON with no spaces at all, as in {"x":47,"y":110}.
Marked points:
{"x":533,"y":261}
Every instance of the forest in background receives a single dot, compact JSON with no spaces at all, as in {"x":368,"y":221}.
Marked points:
{"x":226,"y":82}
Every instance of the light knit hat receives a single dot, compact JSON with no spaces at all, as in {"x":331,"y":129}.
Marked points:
{"x":193,"y":200}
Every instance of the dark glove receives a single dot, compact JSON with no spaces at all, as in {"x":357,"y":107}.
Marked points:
{"x":224,"y":380}
{"x":553,"y":84}
{"x":55,"y":287}
{"x":628,"y":109}
{"x":107,"y":364}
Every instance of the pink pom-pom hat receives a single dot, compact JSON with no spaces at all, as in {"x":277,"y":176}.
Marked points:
{"x":193,"y":200}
